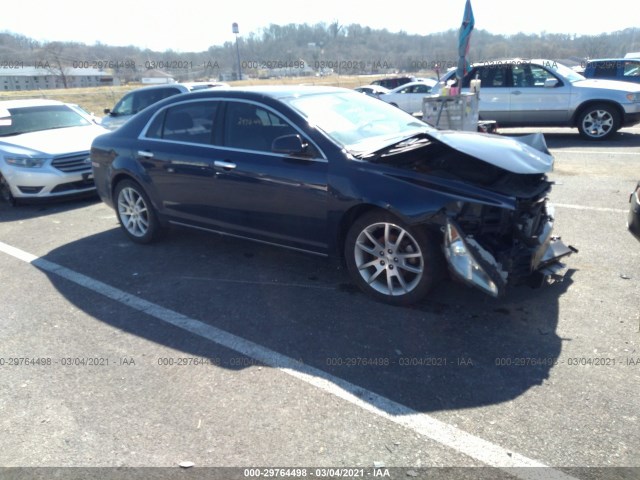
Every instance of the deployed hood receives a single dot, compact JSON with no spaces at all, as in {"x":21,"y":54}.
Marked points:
{"x":526,"y":155}
{"x":52,"y":142}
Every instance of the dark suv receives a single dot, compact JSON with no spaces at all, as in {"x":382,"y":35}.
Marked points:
{"x":140,"y":98}
{"x":624,"y":69}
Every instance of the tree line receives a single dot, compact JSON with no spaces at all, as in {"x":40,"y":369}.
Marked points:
{"x":313,"y":49}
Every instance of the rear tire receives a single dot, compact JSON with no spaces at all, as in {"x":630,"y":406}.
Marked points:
{"x":135,"y":212}
{"x":391,"y":261}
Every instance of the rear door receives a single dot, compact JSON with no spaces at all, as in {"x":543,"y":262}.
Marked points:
{"x":178,"y":154}
{"x":494,"y":91}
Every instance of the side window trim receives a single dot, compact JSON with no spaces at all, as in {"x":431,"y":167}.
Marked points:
{"x":218,"y":129}
{"x":145,"y":131}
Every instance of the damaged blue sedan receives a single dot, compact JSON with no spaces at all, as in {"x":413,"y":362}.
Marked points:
{"x":332,"y":172}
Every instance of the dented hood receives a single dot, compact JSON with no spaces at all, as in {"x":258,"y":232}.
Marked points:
{"x":527,"y":154}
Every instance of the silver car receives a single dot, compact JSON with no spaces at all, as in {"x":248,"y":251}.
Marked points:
{"x":409,"y":96}
{"x":44,"y":149}
{"x":526,"y":93}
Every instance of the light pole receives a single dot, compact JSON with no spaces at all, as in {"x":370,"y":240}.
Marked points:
{"x":236,"y":31}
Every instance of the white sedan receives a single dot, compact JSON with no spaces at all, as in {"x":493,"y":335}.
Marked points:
{"x":409,"y":96}
{"x":44,"y":149}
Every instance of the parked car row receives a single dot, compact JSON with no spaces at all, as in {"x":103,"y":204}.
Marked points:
{"x":321,"y":170}
{"x":526,"y":93}
{"x":44,"y":144}
{"x":409,"y":96}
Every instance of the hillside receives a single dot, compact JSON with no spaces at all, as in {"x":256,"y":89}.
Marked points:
{"x":309,"y":49}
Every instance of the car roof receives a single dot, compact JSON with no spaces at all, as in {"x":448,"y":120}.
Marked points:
{"x":203,"y":84}
{"x":506,"y":61}
{"x":274,"y":91}
{"x":185,"y":86}
{"x":428,"y":82}
{"x":513,"y":61}
{"x":373,"y":87}
{"x":618,"y":59}
{"x":31,"y":102}
{"x":156,"y":87}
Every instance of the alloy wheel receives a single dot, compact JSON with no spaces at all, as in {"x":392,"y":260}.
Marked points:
{"x":133,"y":212}
{"x":388,"y":259}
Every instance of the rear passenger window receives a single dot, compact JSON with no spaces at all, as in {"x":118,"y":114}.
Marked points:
{"x":490,"y":76}
{"x":188,"y":122}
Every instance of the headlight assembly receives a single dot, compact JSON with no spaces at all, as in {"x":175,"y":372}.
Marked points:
{"x":25,"y":162}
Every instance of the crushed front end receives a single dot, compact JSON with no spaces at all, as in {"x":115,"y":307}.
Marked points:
{"x":493,"y":247}
{"x":488,"y":195}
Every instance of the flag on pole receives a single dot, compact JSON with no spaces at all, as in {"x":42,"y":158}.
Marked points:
{"x":464,"y":37}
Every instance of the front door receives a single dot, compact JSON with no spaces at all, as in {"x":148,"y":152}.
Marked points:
{"x":538,"y":97}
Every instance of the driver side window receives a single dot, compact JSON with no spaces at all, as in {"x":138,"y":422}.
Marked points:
{"x":528,"y":76}
{"x":251,"y":127}
{"x":124,"y":106}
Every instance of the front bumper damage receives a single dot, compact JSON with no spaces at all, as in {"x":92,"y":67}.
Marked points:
{"x":476,"y":266}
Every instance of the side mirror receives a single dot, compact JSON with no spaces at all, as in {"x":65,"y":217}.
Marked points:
{"x":290,"y":145}
{"x":550,"y":82}
{"x":107,"y":111}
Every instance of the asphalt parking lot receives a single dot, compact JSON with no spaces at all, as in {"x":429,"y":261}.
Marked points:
{"x":224,"y":353}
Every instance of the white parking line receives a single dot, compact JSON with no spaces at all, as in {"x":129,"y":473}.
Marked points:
{"x":592,"y":152}
{"x":592,"y":209}
{"x":486,"y":452}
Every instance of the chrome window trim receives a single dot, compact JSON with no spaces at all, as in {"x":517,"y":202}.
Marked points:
{"x":143,"y":132}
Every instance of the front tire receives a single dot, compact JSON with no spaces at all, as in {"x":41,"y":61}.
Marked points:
{"x":136,"y":213}
{"x":5,"y":192}
{"x":598,"y":122}
{"x":389,"y":260}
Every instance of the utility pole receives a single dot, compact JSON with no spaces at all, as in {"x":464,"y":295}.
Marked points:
{"x":236,"y":31}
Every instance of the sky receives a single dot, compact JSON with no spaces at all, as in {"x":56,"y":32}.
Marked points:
{"x":195,"y":25}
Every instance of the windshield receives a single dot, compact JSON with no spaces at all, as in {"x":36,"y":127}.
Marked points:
{"x":563,"y":70}
{"x":35,"y":119}
{"x":357,"y":122}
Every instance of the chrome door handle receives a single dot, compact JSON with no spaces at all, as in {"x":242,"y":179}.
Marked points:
{"x":145,"y":153}
{"x":225,"y":165}
{"x":516,"y":92}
